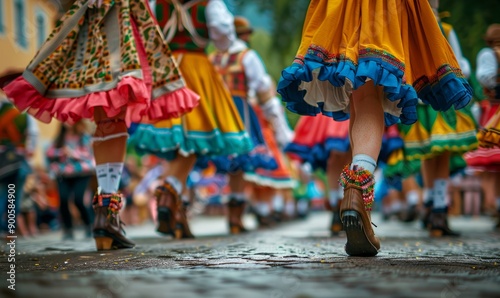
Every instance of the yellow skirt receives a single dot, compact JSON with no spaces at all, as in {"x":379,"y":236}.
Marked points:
{"x":397,"y":44}
{"x":214,"y":127}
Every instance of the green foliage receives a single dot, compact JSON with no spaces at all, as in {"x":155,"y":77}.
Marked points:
{"x":470,"y":19}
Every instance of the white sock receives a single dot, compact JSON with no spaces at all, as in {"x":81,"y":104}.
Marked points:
{"x":364,"y":161}
{"x":278,"y":203}
{"x":412,"y":198}
{"x":290,"y":208}
{"x":440,"y":192}
{"x":108,"y":176}
{"x":262,"y":209}
{"x":428,"y":195}
{"x":185,"y":198}
{"x":334,"y":197}
{"x":175,"y":183}
{"x":395,"y":206}
{"x":302,"y":206}
{"x":238,"y":196}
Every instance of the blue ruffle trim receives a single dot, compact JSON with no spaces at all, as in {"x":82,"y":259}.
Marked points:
{"x":317,"y":155}
{"x":449,"y":91}
{"x":389,"y":145}
{"x":166,"y":142}
{"x":247,"y":163}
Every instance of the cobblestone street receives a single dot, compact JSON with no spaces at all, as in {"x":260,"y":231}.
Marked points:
{"x":297,"y":259}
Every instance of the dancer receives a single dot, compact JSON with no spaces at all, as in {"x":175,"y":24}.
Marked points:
{"x":105,"y":60}
{"x":486,"y":160}
{"x":71,"y":163}
{"x":245,"y":75}
{"x":437,"y":140}
{"x":214,"y":128}
{"x":368,"y":60}
{"x":324,"y":144}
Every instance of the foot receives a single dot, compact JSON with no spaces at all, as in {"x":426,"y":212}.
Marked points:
{"x":425,"y":217}
{"x":68,"y":235}
{"x":172,"y":217}
{"x":410,"y":214}
{"x":438,"y":225}
{"x":182,"y":223}
{"x":336,"y":225}
{"x":108,"y":229}
{"x":361,"y":240}
{"x":235,"y":213}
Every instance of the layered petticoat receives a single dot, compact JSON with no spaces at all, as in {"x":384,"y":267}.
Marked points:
{"x":396,"y":44}
{"x":316,"y":137}
{"x":112,"y":57}
{"x":487,"y":157}
{"x":259,"y":158}
{"x":432,"y":135}
{"x":280,"y":177}
{"x":213,"y":128}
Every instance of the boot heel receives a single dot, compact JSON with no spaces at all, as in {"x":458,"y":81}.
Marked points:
{"x":164,"y":221}
{"x":178,"y":233}
{"x":358,"y":243}
{"x":234,"y":229}
{"x":103,"y":243}
{"x":436,"y":233}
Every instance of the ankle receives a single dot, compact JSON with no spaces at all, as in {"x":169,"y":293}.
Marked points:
{"x":362,"y":179}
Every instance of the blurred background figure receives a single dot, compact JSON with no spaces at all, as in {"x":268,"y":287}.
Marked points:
{"x":18,"y":139}
{"x":72,"y":164}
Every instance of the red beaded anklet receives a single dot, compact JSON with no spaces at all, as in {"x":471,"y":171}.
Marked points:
{"x":362,"y":178}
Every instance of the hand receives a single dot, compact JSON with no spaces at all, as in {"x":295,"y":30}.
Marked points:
{"x":275,"y":114}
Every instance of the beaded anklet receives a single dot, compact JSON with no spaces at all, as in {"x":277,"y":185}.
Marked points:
{"x":362,"y":178}
{"x":166,"y":187}
{"x":113,"y":201}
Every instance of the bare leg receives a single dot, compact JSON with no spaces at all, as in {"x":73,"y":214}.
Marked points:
{"x":366,"y":131}
{"x":367,"y":125}
{"x":110,"y":140}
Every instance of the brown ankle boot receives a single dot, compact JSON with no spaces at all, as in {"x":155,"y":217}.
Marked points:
{"x":336,"y":224}
{"x":108,"y":231}
{"x":438,"y":225}
{"x":236,"y":209}
{"x":172,"y":218}
{"x":182,"y":222}
{"x":354,"y":212}
{"x":361,"y":240}
{"x":167,"y":202}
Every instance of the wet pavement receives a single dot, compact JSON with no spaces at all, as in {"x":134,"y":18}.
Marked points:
{"x":297,"y":259}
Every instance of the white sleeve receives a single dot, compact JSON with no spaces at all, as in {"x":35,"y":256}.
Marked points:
{"x":257,"y":78}
{"x":462,"y":61}
{"x":220,"y":24}
{"x":487,"y":68}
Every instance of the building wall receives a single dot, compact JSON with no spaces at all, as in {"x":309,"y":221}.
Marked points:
{"x":24,"y":25}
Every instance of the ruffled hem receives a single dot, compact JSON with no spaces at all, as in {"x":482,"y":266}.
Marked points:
{"x":483,"y":157}
{"x":245,"y":162}
{"x":448,"y":89}
{"x":317,"y":155}
{"x":457,"y":146}
{"x":488,"y":138}
{"x":130,"y":92}
{"x":273,"y":182}
{"x":167,"y":142}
